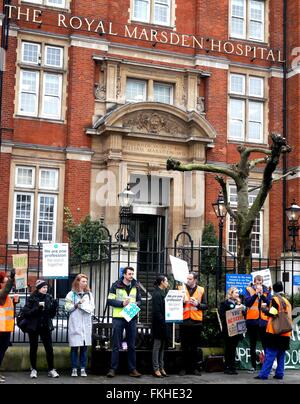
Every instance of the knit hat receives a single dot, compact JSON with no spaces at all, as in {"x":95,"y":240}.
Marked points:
{"x":40,"y":283}
{"x":278,"y":287}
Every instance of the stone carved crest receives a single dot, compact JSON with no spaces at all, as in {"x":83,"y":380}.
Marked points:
{"x":100,"y":92}
{"x":153,"y":122}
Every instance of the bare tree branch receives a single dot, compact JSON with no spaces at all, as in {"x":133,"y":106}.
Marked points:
{"x":178,"y":166}
{"x":222,"y":182}
{"x":291,"y":173}
{"x":254,"y":163}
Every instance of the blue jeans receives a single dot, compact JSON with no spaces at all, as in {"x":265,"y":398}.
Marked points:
{"x":118,"y":326}
{"x":271,"y":355}
{"x":82,"y":359}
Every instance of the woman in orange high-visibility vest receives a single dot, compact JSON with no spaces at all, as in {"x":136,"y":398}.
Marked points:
{"x":257,"y":296}
{"x":277,"y":344}
{"x":6,"y":314}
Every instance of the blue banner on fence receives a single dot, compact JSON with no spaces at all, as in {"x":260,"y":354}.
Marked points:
{"x":296,"y":280}
{"x":240,"y":281}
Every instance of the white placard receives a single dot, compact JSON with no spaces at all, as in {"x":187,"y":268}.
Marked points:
{"x":56,"y":260}
{"x":174,"y":306}
{"x":180,"y":269}
{"x":266,"y":274}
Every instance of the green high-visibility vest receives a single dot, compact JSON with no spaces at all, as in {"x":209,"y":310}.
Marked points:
{"x":121,"y":295}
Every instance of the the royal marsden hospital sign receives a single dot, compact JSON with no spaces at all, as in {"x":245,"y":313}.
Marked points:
{"x":139,"y":33}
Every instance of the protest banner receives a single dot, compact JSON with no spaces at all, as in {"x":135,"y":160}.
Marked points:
{"x":174,"y":306}
{"x":240,"y":281}
{"x":180,"y":269}
{"x":20,"y":264}
{"x":56,"y":261}
{"x":236,"y":322}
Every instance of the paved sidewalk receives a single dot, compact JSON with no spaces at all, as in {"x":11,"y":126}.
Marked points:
{"x":291,"y":377}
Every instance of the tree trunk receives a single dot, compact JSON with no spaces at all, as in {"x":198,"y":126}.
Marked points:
{"x":244,"y":255}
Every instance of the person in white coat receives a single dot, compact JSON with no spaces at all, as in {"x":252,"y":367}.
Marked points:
{"x":80,"y":304}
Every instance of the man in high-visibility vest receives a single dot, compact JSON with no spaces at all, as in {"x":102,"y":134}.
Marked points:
{"x":257,"y":297}
{"x":276,"y":344}
{"x":124,"y":291}
{"x":7,"y":317}
{"x":194,"y":302}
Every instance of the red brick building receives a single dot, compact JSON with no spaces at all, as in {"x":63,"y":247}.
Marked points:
{"x":96,"y":94}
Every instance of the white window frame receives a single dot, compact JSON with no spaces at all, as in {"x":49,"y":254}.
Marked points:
{"x":39,"y":53}
{"x":59,"y":97}
{"x":144,"y":98}
{"x":151,"y":7}
{"x":25,"y":113}
{"x":170,"y":86}
{"x":247,"y":98}
{"x":16,"y":193}
{"x":32,"y":186}
{"x":56,"y":179}
{"x":47,"y":47}
{"x":46,"y":3}
{"x":54,"y":217}
{"x":247,"y":19}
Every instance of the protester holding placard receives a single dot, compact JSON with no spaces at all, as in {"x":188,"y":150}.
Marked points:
{"x":80,"y":304}
{"x":6,"y":314}
{"x":159,"y":326}
{"x":39,"y":311}
{"x":277,"y":343}
{"x":232,"y":301}
{"x":194,"y":303}
{"x":124,"y":291}
{"x":257,"y":298}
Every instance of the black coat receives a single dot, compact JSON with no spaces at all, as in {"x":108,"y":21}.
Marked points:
{"x":160,"y":330}
{"x":40,"y":317}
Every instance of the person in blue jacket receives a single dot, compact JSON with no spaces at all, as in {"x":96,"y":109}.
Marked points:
{"x":257,"y":298}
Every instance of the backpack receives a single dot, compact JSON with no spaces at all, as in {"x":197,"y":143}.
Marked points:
{"x":22,"y":321}
{"x":282,"y":323}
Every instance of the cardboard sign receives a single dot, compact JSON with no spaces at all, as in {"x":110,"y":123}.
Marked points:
{"x":180,"y":269}
{"x":236,"y":322}
{"x":174,"y":306}
{"x":130,"y":311}
{"x":266,"y":274}
{"x":20,"y":264}
{"x":56,"y":261}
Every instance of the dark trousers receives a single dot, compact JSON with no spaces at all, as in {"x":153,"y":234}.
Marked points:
{"x":190,"y":341}
{"x":46,"y":338}
{"x":4,"y":344}
{"x":255,"y":333}
{"x":230,"y":345}
{"x":118,"y":326}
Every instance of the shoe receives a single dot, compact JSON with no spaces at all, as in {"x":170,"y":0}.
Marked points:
{"x":252,"y":370}
{"x":53,"y":373}
{"x":111,"y":373}
{"x":134,"y":373}
{"x":157,"y":373}
{"x":2,"y":377}
{"x":163,"y":373}
{"x":182,"y":372}
{"x":278,"y":377}
{"x":260,"y":378}
{"x":196,"y":372}
{"x":83,"y":373}
{"x":74,"y":373}
{"x":33,"y":374}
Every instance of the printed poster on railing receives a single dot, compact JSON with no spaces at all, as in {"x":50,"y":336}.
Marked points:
{"x":56,"y":260}
{"x":20,"y":264}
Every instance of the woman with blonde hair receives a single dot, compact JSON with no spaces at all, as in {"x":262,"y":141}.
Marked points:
{"x":232,"y":301}
{"x":80,"y":305}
